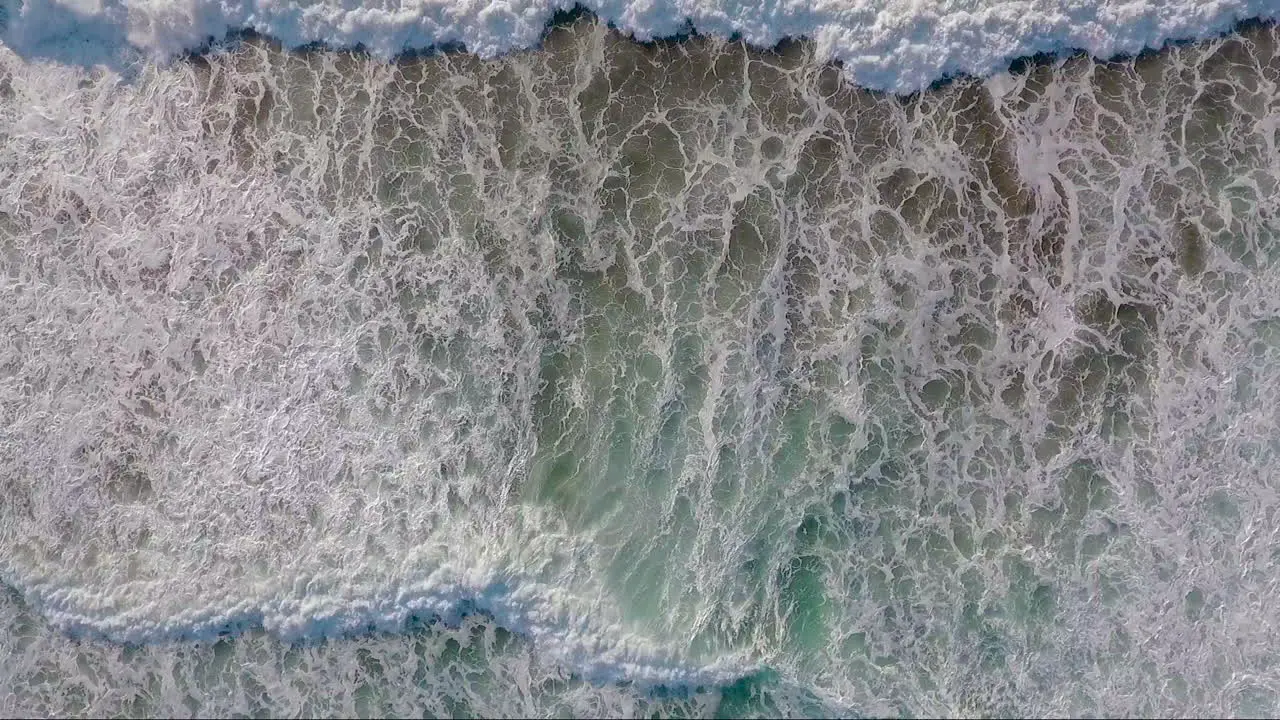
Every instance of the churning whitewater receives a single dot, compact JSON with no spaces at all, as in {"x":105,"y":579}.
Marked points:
{"x":609,"y":378}
{"x":896,"y":45}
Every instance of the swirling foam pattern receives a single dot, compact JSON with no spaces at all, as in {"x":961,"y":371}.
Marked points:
{"x":548,"y":384}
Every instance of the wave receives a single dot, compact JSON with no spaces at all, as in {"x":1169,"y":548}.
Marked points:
{"x":576,"y":643}
{"x":889,"y":45}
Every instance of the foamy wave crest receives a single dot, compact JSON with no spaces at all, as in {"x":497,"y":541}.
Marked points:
{"x":573,"y":641}
{"x":884,"y":44}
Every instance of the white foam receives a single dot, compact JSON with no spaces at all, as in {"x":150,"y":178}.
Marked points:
{"x":265,"y":368}
{"x":897,"y":45}
{"x":572,"y":641}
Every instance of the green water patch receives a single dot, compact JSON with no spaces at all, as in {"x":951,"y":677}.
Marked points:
{"x":767,"y":694}
{"x":802,"y":588}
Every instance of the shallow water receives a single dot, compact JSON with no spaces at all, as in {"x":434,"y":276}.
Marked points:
{"x":677,"y":379}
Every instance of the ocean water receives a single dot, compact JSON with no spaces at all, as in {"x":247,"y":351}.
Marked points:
{"x":607,"y":378}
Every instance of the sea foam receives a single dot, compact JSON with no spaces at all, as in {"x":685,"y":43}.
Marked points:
{"x":893,"y":45}
{"x":658,"y":367}
{"x":578,"y":643}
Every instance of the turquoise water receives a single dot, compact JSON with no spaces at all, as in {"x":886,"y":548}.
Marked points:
{"x":617,"y":379}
